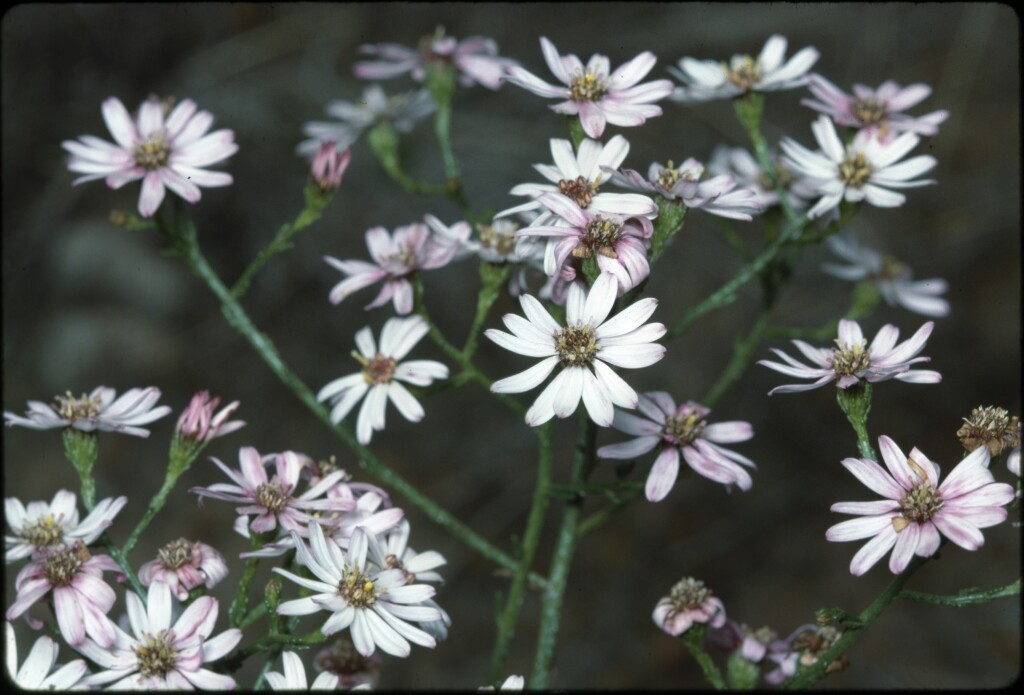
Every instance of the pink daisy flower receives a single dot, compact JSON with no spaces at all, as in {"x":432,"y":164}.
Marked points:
{"x":681,"y":430}
{"x":159,"y":655}
{"x":852,"y":359}
{"x":595,"y":93}
{"x":272,"y":499}
{"x":39,"y":528}
{"x":81,"y":599}
{"x":917,"y":511}
{"x":183,"y":565}
{"x":412,"y":248}
{"x":476,"y":59}
{"x":100,"y":410}
{"x":164,"y":152}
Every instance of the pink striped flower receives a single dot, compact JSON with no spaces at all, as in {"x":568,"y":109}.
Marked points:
{"x":917,"y":510}
{"x":273,"y":499}
{"x":100,"y":410}
{"x":159,"y":655}
{"x":412,"y":248}
{"x":595,"y":93}
{"x":475,"y":58}
{"x":39,"y":528}
{"x":35,"y":672}
{"x":164,"y":152}
{"x":880,"y":111}
{"x":81,"y":599}
{"x":681,"y":430}
{"x":852,"y":359}
{"x":183,"y":565}
{"x":618,"y":242}
{"x":198,"y":422}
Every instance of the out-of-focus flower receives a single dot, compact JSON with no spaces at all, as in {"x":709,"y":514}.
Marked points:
{"x":510,"y":683}
{"x":750,"y":643}
{"x":595,"y":93}
{"x":893,"y":279}
{"x":689,"y":602}
{"x":39,"y":528}
{"x":585,"y":343}
{"x":990,"y":427}
{"x":412,"y":248}
{"x":164,"y":153}
{"x":159,"y":655}
{"x":617,"y":242}
{"x":741,"y":165}
{"x":803,"y":646}
{"x":476,"y":59}
{"x":329,"y":166}
{"x":852,"y":359}
{"x":352,"y":668}
{"x":402,"y":111}
{"x":578,"y":176}
{"x":183,"y":565}
{"x":396,"y":554}
{"x":294,"y":676}
{"x":684,"y":430}
{"x":272,"y":499}
{"x":199,"y":423}
{"x":918,"y":510}
{"x":81,"y":598}
{"x":381,"y":375}
{"x":717,"y":195}
{"x":1013,"y":463}
{"x":878,"y":110}
{"x":769,"y":72}
{"x":374,"y":602}
{"x":37,"y":673}
{"x":97,"y":411}
{"x":866,"y":169}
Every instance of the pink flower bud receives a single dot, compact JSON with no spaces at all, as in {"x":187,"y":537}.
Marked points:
{"x":329,"y":166}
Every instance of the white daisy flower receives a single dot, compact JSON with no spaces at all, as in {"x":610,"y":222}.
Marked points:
{"x":582,"y":347}
{"x":379,"y":379}
{"x":374,"y":602}
{"x":294,"y":676}
{"x":97,"y":411}
{"x":37,"y":673}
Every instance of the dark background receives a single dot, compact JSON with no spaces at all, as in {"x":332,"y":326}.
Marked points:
{"x":85,"y":303}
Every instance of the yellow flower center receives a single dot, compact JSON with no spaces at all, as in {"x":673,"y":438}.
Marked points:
{"x":847,"y":361}
{"x":744,"y":72}
{"x":156,"y":655}
{"x":576,"y":345}
{"x":153,"y":152}
{"x":587,"y":87}
{"x":854,"y":170}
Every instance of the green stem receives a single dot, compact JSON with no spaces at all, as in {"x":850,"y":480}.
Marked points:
{"x":383,"y":139}
{"x":856,"y":403}
{"x":234,"y":662}
{"x":155,"y":505}
{"x":528,"y":550}
{"x":742,"y":351}
{"x":692,"y":639}
{"x":120,"y":557}
{"x":184,"y":236}
{"x":551,"y":603}
{"x":240,"y":604}
{"x":749,"y":109}
{"x":82,"y":449}
{"x":607,"y":513}
{"x":492,"y":278}
{"x":809,"y":675}
{"x":316,"y":202}
{"x":967,"y":597}
{"x":441,"y":84}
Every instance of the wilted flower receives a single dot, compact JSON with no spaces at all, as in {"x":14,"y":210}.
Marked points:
{"x":381,"y":375}
{"x":37,"y":672}
{"x":159,"y":655}
{"x":199,"y":423}
{"x":593,"y":92}
{"x":294,"y":676}
{"x":373,"y":601}
{"x":717,"y":195}
{"x":681,"y":430}
{"x":866,"y":169}
{"x":352,"y":668}
{"x":412,"y":248}
{"x":688,"y":603}
{"x":81,"y":598}
{"x":585,"y":343}
{"x":751,"y":644}
{"x":711,"y":79}
{"x":476,"y":59}
{"x":401,"y":111}
{"x":273,"y":499}
{"x":878,"y":110}
{"x":163,"y":153}
{"x":40,"y":527}
{"x":183,"y":565}
{"x":803,"y":646}
{"x":991,"y":427}
{"x":852,"y":359}
{"x":917,"y":509}
{"x":97,"y":411}
{"x":893,"y":279}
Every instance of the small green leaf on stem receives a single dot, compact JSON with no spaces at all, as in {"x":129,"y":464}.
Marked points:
{"x":856,"y":403}
{"x":82,"y":449}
